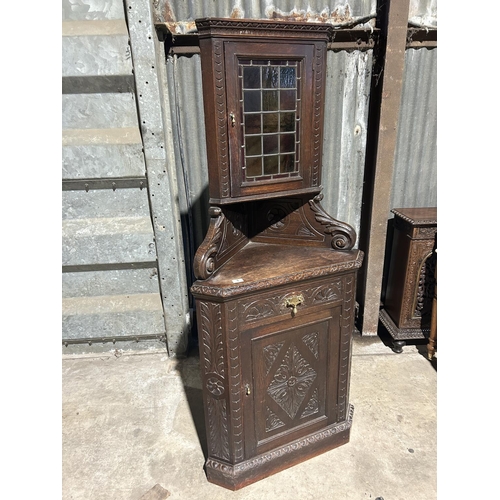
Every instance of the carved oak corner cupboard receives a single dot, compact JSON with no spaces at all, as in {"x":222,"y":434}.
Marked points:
{"x":276,"y":275}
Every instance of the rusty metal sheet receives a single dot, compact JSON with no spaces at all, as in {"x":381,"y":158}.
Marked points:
{"x":179,"y":15}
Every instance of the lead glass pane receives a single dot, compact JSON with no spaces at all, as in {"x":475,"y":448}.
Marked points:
{"x":254,"y":145}
{"x":252,"y":124}
{"x":270,"y":123}
{"x":270,"y":144}
{"x":251,"y":77}
{"x":252,"y":100}
{"x":269,"y":90}
{"x":271,"y":165}
{"x":254,"y":166}
{"x":270,"y":77}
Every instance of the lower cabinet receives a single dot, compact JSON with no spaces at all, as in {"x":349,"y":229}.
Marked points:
{"x":275,"y":367}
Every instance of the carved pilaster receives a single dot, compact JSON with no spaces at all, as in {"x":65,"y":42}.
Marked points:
{"x":215,"y":379}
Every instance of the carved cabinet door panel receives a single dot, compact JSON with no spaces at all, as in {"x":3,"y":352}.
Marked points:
{"x":290,"y":375}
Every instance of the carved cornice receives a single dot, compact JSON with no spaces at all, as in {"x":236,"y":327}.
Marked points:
{"x":415,"y":222}
{"x":343,"y":235}
{"x":262,"y":28}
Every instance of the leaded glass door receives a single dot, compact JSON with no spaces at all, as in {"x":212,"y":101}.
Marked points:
{"x":270,"y":102}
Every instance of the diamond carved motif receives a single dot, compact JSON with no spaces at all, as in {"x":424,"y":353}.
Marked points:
{"x":291,"y":381}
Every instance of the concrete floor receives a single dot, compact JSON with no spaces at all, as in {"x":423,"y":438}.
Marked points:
{"x":132,"y":423}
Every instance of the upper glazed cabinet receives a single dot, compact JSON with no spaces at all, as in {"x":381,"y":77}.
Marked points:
{"x":264,"y":111}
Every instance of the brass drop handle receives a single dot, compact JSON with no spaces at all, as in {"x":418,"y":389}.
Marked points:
{"x":247,"y":390}
{"x":294,"y":301}
{"x":233,"y":121}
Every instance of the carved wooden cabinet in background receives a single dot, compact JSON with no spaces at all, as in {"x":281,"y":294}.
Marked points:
{"x":276,"y":275}
{"x":407,"y":309}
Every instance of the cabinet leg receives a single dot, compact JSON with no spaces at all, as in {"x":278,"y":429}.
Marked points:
{"x":398,"y":345}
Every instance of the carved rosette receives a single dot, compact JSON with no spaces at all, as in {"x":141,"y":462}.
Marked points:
{"x":342,"y":234}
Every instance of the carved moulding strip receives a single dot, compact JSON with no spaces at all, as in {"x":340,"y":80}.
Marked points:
{"x":215,"y":291}
{"x":236,"y":403}
{"x":347,"y":326}
{"x":402,"y":333}
{"x":262,"y":28}
{"x":316,"y":132}
{"x":281,"y":453}
{"x":413,"y":222}
{"x":220,"y":98}
{"x":342,"y":234}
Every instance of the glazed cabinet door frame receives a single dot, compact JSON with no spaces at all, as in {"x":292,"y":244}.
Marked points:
{"x":301,"y":54}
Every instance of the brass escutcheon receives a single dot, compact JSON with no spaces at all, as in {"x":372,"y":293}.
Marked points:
{"x":294,"y":301}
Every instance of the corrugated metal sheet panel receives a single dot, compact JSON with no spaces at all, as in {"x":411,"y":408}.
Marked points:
{"x":110,"y":279}
{"x":188,"y":119}
{"x":344,"y":142}
{"x":415,"y":168}
{"x":179,"y":15}
{"x":423,"y":13}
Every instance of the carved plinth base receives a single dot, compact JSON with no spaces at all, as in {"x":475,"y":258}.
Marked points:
{"x":399,"y":335}
{"x":237,"y":476}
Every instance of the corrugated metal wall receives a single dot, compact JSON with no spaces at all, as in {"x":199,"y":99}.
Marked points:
{"x":414,"y":181}
{"x":179,"y":15}
{"x":108,"y":122}
{"x":111,"y":272}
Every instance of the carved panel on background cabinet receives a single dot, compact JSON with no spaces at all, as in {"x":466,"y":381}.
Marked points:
{"x":406,"y":314}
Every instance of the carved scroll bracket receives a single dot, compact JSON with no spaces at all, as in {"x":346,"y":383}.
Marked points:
{"x":204,"y":261}
{"x":226,"y":234}
{"x":342,"y":234}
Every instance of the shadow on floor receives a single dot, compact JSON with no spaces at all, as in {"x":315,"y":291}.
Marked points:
{"x":189,"y":370}
{"x":420,"y":344}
